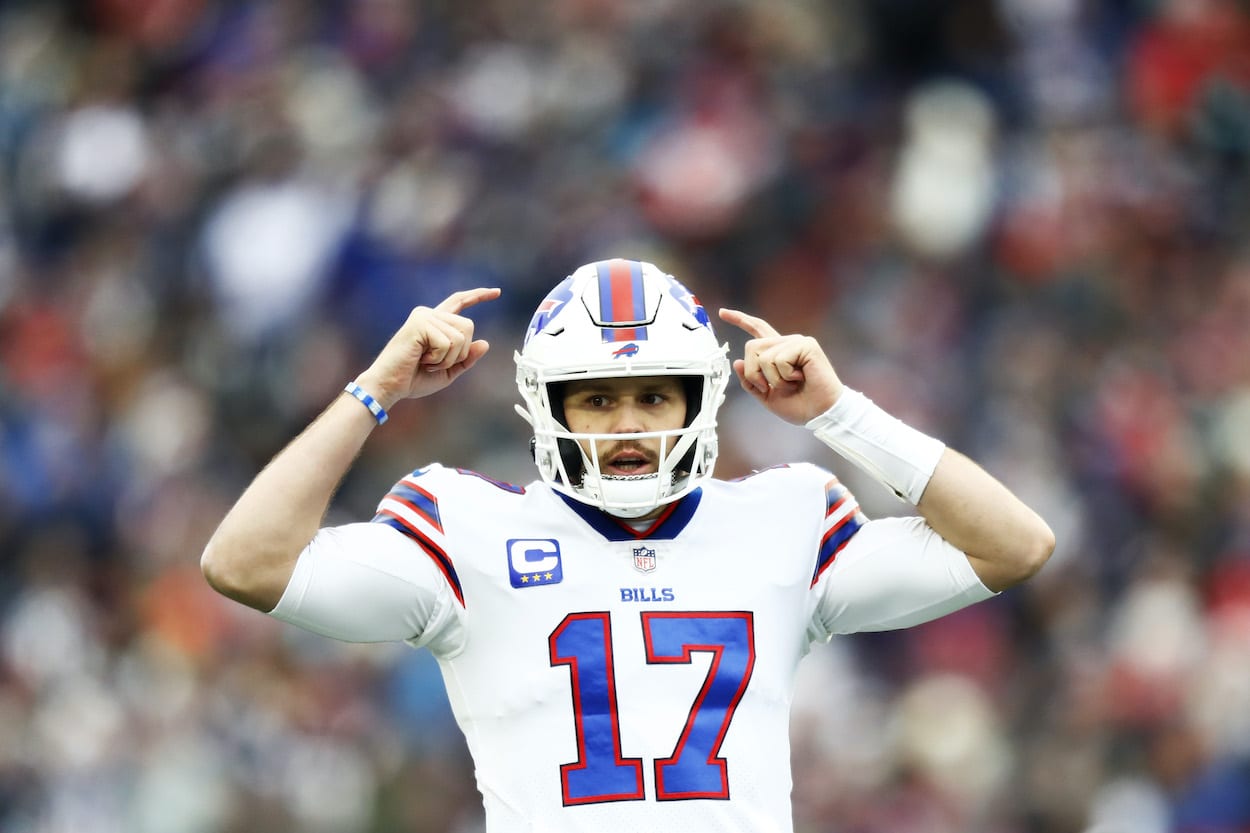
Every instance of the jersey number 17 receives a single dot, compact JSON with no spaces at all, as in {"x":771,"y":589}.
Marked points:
{"x":583,"y":642}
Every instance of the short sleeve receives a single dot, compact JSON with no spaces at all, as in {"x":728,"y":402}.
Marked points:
{"x":894,"y":573}
{"x":366,"y":582}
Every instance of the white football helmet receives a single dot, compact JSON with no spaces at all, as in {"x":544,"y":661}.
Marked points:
{"x":611,"y":319}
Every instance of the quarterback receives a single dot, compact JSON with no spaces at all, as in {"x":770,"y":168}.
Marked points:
{"x":619,"y":638}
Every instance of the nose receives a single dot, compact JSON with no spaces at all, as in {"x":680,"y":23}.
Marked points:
{"x":628,"y":419}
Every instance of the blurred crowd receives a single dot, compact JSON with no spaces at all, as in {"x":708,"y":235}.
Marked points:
{"x":1019,"y":224}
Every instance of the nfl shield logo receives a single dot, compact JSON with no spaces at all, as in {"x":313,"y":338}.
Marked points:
{"x":644,"y":559}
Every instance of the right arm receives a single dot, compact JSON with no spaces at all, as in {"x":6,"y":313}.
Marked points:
{"x":251,"y":556}
{"x":1004,"y":540}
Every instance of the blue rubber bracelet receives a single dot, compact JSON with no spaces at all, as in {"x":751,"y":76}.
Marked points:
{"x":379,"y":413}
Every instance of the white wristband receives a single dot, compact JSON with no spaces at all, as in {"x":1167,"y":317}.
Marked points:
{"x":892,"y":452}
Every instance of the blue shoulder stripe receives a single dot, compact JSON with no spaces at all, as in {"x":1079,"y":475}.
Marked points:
{"x":837,"y":537}
{"x":433,"y":550}
{"x":419,"y":501}
{"x":838,"y":499}
{"x":835,"y":494}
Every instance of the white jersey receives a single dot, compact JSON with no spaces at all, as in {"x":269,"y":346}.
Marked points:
{"x":609,"y":679}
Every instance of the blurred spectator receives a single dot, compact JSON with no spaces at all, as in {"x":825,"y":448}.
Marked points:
{"x":1019,"y":224}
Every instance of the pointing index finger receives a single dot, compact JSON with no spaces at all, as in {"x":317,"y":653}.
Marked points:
{"x":755,"y":327}
{"x":460,"y":301}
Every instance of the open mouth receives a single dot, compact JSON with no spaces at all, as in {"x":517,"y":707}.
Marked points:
{"x":627,"y":462}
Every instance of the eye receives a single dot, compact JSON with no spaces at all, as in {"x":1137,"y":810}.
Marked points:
{"x":596,"y":400}
{"x":654,"y":399}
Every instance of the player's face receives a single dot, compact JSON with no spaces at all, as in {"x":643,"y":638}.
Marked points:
{"x":626,"y":406}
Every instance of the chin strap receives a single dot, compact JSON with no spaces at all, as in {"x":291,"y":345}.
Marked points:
{"x":644,"y":489}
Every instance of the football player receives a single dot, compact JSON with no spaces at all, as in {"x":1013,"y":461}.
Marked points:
{"x":619,"y":638}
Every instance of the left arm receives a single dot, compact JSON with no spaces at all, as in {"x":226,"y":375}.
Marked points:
{"x":1004,"y":540}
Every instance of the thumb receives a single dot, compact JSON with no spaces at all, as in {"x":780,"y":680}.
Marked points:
{"x":477,"y":349}
{"x":739,"y":367}
{"x":790,"y":371}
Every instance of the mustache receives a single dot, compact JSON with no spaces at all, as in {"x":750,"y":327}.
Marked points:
{"x":630,"y":448}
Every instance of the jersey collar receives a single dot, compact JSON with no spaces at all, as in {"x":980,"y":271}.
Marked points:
{"x":666,"y":527}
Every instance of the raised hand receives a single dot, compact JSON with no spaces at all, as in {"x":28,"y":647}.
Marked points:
{"x":790,"y":375}
{"x":428,"y":353}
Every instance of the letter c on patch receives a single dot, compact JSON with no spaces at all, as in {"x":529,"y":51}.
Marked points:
{"x":532,"y":555}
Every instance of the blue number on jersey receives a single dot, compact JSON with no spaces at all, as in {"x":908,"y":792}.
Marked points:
{"x":695,"y":769}
{"x":583,"y":642}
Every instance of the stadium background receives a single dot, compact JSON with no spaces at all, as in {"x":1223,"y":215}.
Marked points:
{"x":1020,"y":224}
